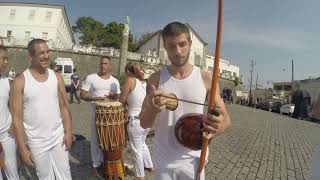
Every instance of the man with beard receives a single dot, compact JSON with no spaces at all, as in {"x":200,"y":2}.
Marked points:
{"x":172,"y":160}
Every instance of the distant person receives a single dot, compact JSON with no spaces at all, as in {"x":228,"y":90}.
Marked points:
{"x":75,"y":84}
{"x":53,"y":66}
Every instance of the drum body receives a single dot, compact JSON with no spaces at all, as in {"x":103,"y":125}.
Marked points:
{"x":110,"y":125}
{"x":111,"y":137}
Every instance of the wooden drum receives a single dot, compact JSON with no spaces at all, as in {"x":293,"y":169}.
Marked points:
{"x":111,"y":137}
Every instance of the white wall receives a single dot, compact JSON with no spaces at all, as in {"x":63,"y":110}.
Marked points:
{"x":196,"y":48}
{"x":226,"y":69}
{"x":150,"y":45}
{"x":55,"y":26}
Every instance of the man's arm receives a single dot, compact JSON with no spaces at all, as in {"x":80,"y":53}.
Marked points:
{"x":65,"y":112}
{"x":149,"y":110}
{"x":16,"y":110}
{"x":215,"y":124}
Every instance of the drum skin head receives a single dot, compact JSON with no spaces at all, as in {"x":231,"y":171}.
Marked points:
{"x":188,"y":130}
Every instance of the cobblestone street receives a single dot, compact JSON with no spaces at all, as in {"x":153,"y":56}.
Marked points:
{"x":259,"y":145}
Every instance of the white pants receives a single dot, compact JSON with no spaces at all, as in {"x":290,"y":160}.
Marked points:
{"x":9,"y":154}
{"x":315,"y":165}
{"x":183,"y":170}
{"x":137,"y":136}
{"x":53,"y":164}
{"x":96,"y":152}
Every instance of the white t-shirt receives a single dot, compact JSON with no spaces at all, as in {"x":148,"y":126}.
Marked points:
{"x":98,"y":87}
{"x":5,"y":117}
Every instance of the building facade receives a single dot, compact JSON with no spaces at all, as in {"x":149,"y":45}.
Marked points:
{"x":226,"y":69}
{"x":22,"y":22}
{"x":154,"y":44}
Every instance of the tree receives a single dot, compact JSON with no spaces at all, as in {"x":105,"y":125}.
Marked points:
{"x":91,"y":31}
{"x":95,"y":33}
{"x":236,"y":81}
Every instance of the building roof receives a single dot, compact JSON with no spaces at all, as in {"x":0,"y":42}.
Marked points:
{"x":198,"y":36}
{"x":147,"y":39}
{"x":45,"y":6}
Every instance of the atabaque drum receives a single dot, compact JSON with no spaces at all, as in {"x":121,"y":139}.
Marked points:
{"x":110,"y":125}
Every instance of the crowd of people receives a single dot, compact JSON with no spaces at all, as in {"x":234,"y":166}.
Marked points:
{"x":24,"y":110}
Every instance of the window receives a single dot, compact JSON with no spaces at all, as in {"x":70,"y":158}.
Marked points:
{"x":9,"y":33}
{"x":27,"y":35}
{"x":12,"y":13}
{"x":31,"y":14}
{"x":59,"y":68}
{"x":44,"y":35}
{"x":67,"y":69}
{"x":234,"y":74}
{"x":48,"y":16}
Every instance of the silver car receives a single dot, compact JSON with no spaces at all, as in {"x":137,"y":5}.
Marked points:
{"x":287,"y":109}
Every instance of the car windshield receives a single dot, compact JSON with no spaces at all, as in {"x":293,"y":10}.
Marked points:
{"x":67,"y":69}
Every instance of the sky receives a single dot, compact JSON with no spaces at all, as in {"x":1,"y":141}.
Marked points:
{"x":271,"y":33}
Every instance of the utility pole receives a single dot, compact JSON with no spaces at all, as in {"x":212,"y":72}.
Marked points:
{"x":251,"y":71}
{"x":124,"y":47}
{"x":256,"y":91}
{"x":292,"y":80}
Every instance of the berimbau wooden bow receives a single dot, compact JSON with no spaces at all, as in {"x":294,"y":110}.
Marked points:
{"x":214,"y":88}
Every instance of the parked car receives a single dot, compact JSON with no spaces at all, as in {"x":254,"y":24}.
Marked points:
{"x":287,"y":109}
{"x":276,"y":106}
{"x":258,"y":105}
{"x":266,"y":105}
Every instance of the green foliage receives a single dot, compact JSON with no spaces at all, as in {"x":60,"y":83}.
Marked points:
{"x":236,"y":81}
{"x":91,"y":31}
{"x":121,"y":78}
{"x":95,"y":33}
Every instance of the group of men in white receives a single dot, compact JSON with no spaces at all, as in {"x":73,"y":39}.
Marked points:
{"x":35,"y":104}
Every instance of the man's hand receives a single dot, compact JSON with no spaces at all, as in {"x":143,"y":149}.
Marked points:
{"x":67,"y":140}
{"x":157,"y":101}
{"x":26,"y":157}
{"x":111,"y":95}
{"x":214,"y":123}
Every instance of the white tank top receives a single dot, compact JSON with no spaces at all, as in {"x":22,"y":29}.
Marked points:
{"x":168,"y":151}
{"x":5,"y":116}
{"x":135,"y":98}
{"x":41,"y":114}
